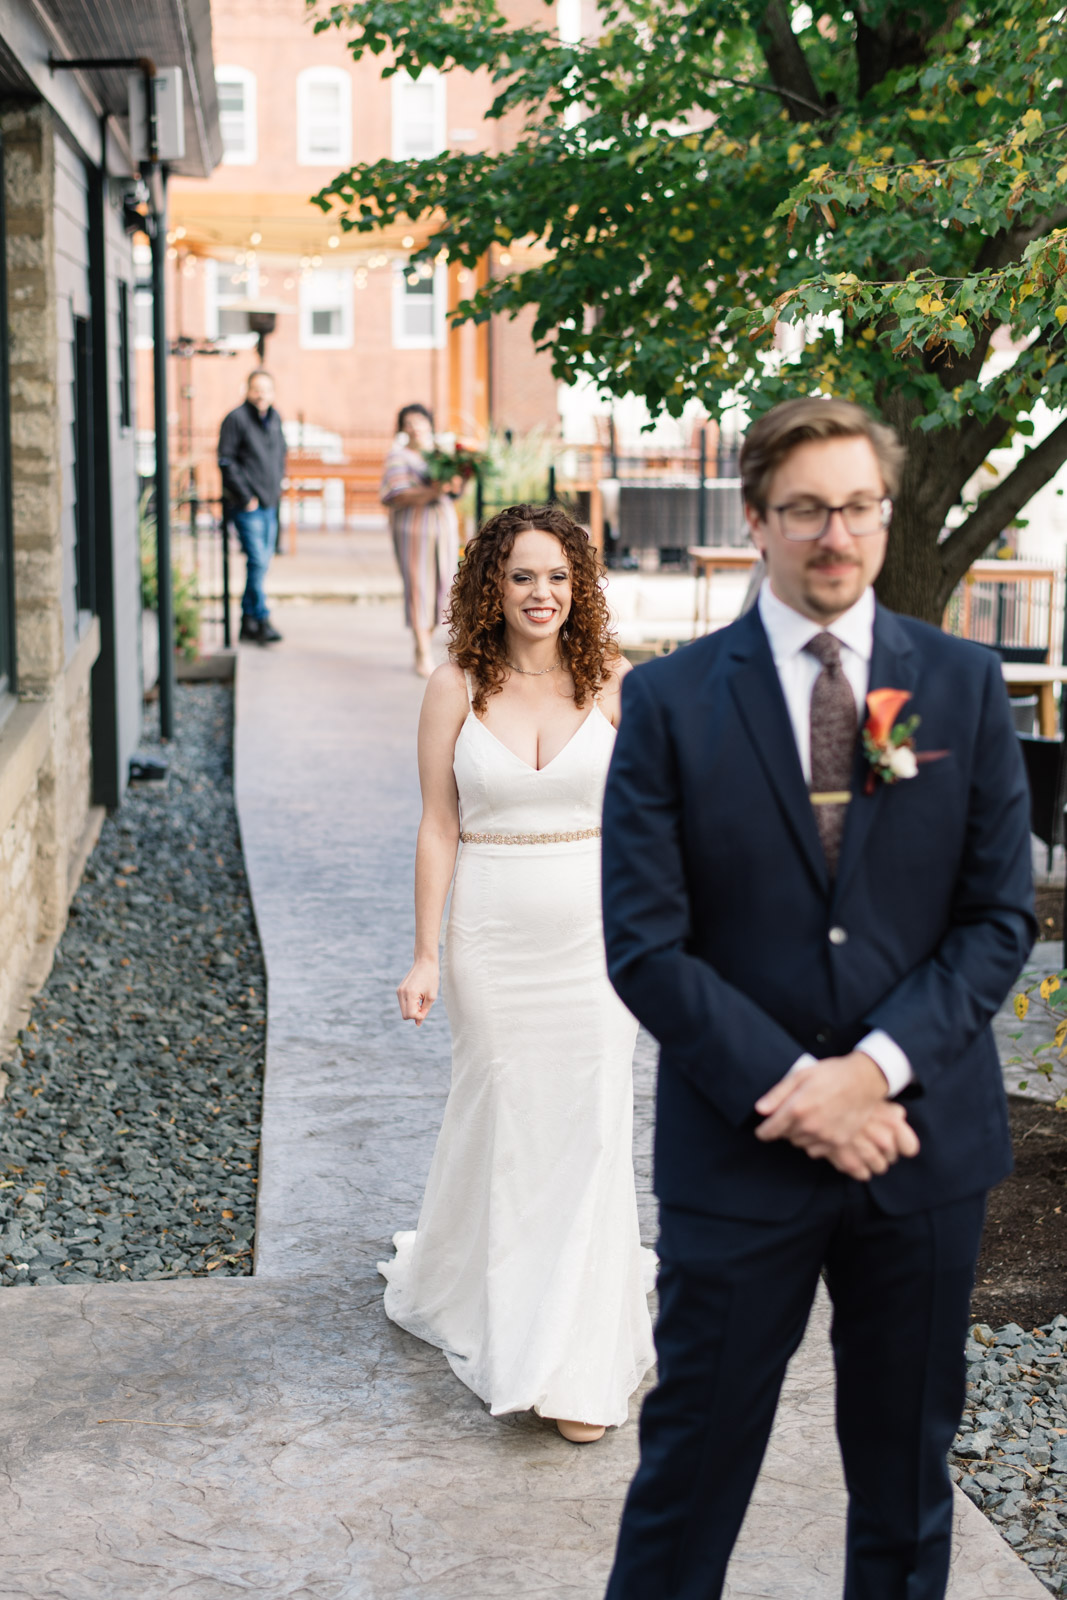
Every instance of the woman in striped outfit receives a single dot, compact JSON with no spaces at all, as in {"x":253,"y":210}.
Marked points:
{"x":425,"y":529}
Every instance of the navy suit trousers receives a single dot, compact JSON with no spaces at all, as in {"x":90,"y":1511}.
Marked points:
{"x":734,"y":1300}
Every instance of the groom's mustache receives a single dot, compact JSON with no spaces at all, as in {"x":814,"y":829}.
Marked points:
{"x":830,"y":558}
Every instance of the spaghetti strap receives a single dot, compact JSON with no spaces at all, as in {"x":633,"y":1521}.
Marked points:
{"x":470,"y":691}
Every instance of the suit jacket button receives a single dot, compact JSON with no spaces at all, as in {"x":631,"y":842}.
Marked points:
{"x":838,"y":936}
{"x":822,"y":1036}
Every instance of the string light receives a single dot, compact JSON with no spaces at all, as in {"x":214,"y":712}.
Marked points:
{"x":256,"y":238}
{"x":333,"y":241}
{"x":407,"y":241}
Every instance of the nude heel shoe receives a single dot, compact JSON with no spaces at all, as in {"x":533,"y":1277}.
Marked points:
{"x":580,"y":1432}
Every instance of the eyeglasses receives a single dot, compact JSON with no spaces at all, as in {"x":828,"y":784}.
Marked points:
{"x":809,"y":519}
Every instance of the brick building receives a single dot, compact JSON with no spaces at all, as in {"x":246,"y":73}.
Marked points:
{"x":357,"y":332}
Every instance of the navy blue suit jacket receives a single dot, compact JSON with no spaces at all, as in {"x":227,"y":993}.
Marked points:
{"x":718,"y":910}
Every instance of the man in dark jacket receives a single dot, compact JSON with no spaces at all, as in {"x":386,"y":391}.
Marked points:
{"x":818,"y":928}
{"x":252,"y":460}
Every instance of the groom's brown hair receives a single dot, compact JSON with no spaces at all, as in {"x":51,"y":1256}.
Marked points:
{"x":777,"y":434}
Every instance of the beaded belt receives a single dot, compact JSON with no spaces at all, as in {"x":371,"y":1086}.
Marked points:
{"x":529,"y":838}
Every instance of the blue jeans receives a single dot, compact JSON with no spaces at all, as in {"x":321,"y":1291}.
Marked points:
{"x":258,"y":533}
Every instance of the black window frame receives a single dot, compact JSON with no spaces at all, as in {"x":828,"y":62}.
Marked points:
{"x":125,"y":373}
{"x":84,"y":485}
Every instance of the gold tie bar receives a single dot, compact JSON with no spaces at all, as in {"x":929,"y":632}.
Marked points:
{"x":831,"y":797}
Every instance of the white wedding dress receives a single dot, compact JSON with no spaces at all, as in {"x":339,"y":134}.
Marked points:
{"x":526,"y":1268}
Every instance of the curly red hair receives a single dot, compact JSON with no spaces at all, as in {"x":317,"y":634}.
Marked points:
{"x":476,"y":614}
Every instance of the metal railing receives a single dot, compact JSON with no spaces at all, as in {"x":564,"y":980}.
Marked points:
{"x":1016,"y":607}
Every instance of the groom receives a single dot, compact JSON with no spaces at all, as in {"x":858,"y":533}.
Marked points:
{"x":817,"y":930}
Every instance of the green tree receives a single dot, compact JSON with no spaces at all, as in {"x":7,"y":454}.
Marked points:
{"x":893,"y":177}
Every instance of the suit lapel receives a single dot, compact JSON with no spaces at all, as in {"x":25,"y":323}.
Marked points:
{"x":758,"y":694}
{"x":893,"y":666}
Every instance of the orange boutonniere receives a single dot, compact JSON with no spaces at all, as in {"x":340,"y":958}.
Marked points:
{"x":889,"y":745}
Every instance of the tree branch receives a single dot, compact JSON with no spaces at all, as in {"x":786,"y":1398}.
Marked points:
{"x":894,"y":38}
{"x":775,"y":89}
{"x":966,"y":543}
{"x":1003,"y":249}
{"x":787,"y":63}
{"x":976,"y":438}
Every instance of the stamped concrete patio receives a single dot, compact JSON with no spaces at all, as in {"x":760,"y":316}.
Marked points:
{"x":276,"y":1436}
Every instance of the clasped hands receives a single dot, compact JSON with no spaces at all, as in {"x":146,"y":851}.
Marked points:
{"x":837,"y":1110}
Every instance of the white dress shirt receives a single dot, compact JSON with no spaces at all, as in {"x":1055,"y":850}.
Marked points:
{"x":789,"y":633}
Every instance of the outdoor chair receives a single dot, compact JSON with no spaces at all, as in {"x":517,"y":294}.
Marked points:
{"x":1046,"y":770}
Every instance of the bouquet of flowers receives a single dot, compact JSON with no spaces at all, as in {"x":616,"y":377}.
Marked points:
{"x":448,"y":459}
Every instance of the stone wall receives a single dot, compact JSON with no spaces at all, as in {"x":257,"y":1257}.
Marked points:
{"x":47,"y":823}
{"x":29,"y":179}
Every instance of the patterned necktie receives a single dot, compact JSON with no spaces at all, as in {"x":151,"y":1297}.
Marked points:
{"x":834,"y":725}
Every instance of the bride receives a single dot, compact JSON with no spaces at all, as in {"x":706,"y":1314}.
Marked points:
{"x":526,"y":1267}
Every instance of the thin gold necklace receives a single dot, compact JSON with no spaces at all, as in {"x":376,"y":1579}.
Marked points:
{"x":528,"y":673}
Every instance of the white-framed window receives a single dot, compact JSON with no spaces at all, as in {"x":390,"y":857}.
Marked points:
{"x":226,"y":285}
{"x":143,"y":332}
{"x":419,"y":112}
{"x":236,"y":88}
{"x":420,"y":302}
{"x":324,"y":117}
{"x":326,"y":309}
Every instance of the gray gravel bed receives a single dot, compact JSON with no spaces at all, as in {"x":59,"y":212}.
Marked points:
{"x":1010,"y":1456}
{"x":129,"y":1131}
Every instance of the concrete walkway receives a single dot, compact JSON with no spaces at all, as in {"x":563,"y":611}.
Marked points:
{"x":277,"y":1436}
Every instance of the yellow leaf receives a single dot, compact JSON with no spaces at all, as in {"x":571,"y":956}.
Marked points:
{"x":984,"y":96}
{"x":818,"y":172}
{"x":869,"y":334}
{"x":794,"y":153}
{"x":1061,"y":315}
{"x":1032,"y":118}
{"x":1060,"y":1035}
{"x":1049,"y":986}
{"x":960,"y":322}
{"x":1022,"y":1006}
{"x":881,"y":183}
{"x":917,"y":114}
{"x":929,"y":304}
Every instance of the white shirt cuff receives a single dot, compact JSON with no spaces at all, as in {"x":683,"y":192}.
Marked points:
{"x":800,"y":1063}
{"x":887,"y":1054}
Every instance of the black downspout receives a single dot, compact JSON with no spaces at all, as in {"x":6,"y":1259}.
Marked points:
{"x":158,"y":222}
{"x":107,"y":779}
